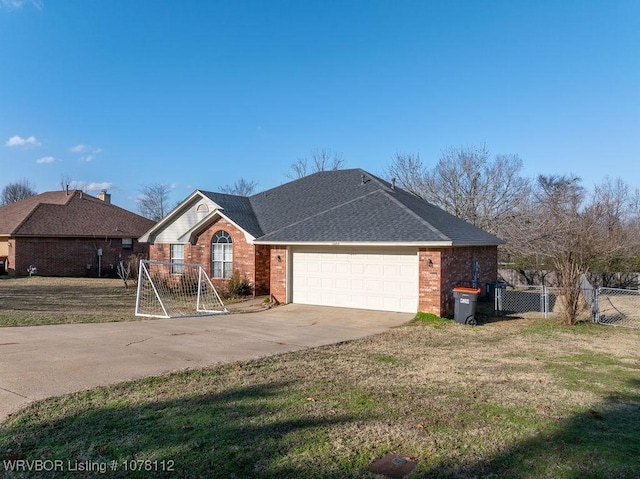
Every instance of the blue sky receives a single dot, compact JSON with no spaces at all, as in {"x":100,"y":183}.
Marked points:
{"x":197,"y":94}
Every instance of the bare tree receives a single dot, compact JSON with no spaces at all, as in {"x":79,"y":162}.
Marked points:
{"x":571,"y":232}
{"x":241,"y":187}
{"x":65,"y":181}
{"x":153,"y":201}
{"x":409,"y":172}
{"x":320,"y":160}
{"x":619,"y":225}
{"x":17,"y":191}
{"x":467,"y":183}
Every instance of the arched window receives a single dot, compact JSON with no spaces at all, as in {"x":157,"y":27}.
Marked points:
{"x":222,"y":255}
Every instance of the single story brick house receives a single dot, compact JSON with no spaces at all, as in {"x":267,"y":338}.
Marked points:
{"x":69,"y":233}
{"x":338,"y":238}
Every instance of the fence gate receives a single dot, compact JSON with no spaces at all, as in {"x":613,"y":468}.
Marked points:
{"x":618,"y":307}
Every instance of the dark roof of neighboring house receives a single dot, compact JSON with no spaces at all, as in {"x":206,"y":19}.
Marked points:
{"x":345,"y":206}
{"x":72,"y":214}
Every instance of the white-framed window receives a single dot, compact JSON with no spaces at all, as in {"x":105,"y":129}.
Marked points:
{"x":177,"y":256}
{"x":127,"y":243}
{"x":222,"y":255}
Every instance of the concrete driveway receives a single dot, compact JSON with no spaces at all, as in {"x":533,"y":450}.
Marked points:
{"x":44,"y":361}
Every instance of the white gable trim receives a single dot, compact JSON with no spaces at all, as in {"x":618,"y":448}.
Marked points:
{"x":160,"y":225}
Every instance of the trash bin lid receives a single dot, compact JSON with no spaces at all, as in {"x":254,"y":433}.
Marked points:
{"x":463,"y":289}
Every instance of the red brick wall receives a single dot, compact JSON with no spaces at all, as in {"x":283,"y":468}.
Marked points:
{"x":263,"y":269}
{"x":430,"y":281}
{"x":69,"y":256}
{"x":279,"y":274}
{"x":251,"y":261}
{"x":451,"y":267}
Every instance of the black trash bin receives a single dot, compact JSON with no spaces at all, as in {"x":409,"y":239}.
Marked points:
{"x":465,"y":307}
{"x":3,"y":265}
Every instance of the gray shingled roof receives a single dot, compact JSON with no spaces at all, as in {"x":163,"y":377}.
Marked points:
{"x":76,"y":214}
{"x":338,"y":206}
{"x":238,"y":209}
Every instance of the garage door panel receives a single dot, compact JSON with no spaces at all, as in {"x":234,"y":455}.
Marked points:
{"x":357,"y":268}
{"x":373,"y":285}
{"x":356,"y":278}
{"x":375,"y":269}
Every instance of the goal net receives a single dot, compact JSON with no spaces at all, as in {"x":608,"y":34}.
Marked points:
{"x":173,"y":290}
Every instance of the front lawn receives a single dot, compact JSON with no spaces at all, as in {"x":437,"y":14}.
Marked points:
{"x":512,"y":399}
{"x":35,"y":301}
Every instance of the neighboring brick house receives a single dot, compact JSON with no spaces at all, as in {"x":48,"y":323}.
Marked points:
{"x":338,"y":238}
{"x":61,"y":233}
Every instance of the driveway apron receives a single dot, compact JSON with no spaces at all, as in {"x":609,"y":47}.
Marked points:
{"x":44,"y":361}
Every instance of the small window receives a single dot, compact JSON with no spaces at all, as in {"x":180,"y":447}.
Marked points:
{"x":177,"y":256}
{"x":127,"y":243}
{"x":222,"y":255}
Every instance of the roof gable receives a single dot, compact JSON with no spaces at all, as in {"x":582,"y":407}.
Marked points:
{"x":197,"y":212}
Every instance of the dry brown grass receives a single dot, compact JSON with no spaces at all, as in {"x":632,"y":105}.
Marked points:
{"x":38,"y":300}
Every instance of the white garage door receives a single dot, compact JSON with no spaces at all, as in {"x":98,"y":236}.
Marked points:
{"x":357,"y":278}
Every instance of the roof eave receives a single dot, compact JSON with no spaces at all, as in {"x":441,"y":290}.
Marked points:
{"x":425,"y":244}
{"x":497,"y":242}
{"x":429,"y":244}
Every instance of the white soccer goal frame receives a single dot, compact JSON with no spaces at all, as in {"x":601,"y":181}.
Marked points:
{"x":200,"y":309}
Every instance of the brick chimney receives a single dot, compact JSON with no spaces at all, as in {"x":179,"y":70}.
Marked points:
{"x":104,"y":196}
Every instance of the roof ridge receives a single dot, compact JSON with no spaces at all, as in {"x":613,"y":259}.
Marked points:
{"x":387,"y":189}
{"x":320,"y":213}
{"x":387,"y":192}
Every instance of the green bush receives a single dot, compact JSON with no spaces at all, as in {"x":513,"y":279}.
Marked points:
{"x":237,"y":286}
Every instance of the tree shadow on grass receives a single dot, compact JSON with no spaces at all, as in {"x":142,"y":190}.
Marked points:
{"x":273,"y":431}
{"x":603,"y":443}
{"x":240,"y":433}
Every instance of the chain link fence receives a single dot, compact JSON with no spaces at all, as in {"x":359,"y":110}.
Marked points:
{"x":618,"y":307}
{"x":611,"y":306}
{"x":519,"y":300}
{"x":532,"y":301}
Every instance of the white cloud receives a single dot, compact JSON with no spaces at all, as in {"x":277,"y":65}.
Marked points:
{"x":15,"y":4}
{"x":80,"y":148}
{"x":45,"y":159}
{"x":19,"y":141}
{"x":89,"y":152}
{"x":90,"y":185}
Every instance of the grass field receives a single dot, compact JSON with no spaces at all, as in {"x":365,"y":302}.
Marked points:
{"x":35,"y":301}
{"x":509,"y":399}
